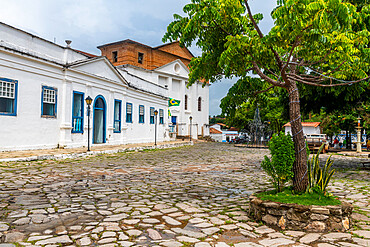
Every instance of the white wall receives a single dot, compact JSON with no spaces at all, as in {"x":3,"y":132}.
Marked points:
{"x":306,"y":130}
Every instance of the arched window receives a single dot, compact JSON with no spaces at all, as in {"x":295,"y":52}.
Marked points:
{"x":200,"y":104}
{"x":186,"y":102}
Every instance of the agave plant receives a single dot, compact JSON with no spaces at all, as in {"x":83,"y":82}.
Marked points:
{"x":319,"y":177}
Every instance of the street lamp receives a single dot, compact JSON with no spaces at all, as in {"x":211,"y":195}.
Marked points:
{"x":191,"y":119}
{"x":88,"y":101}
{"x":155,"y":128}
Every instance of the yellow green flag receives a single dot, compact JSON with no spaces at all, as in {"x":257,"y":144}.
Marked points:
{"x":173,"y":102}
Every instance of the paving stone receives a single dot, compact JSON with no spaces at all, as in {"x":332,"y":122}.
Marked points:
{"x":85,"y":241}
{"x":336,"y":236}
{"x":126,"y":243}
{"x":122,"y":236}
{"x":56,"y":240}
{"x":363,"y":233}
{"x":171,"y":221}
{"x":151,"y":221}
{"x":203,"y":225}
{"x":210,"y":230}
{"x":309,"y":238}
{"x":295,"y":234}
{"x":189,"y":233}
{"x":134,"y":232}
{"x":108,"y":234}
{"x":14,"y":237}
{"x":153,"y":234}
{"x":107,"y":240}
{"x":196,"y":221}
{"x":131,"y":221}
{"x":171,"y":244}
{"x":229,"y":227}
{"x":264,"y":230}
{"x":202,"y":244}
{"x":276,"y":242}
{"x":221,"y":244}
{"x":187,"y":239}
{"x":3,"y":227}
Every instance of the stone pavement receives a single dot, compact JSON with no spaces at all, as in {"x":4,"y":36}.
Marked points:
{"x":187,"y":196}
{"x":59,"y":153}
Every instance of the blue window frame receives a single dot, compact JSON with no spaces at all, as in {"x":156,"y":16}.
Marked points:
{"x":117,"y":116}
{"x":8,"y":97}
{"x":151,"y":115}
{"x":141,"y":113}
{"x":161,"y":116}
{"x":49,"y":102}
{"x":78,"y":112}
{"x":128,"y":112}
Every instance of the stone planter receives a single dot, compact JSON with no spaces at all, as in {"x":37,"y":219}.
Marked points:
{"x":286,"y":216}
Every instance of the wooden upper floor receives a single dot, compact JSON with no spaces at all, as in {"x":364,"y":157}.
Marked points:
{"x":140,"y":55}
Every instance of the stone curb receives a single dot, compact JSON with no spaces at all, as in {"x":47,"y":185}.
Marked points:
{"x":90,"y":153}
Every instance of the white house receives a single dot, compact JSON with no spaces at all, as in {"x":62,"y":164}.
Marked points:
{"x":309,"y":128}
{"x":220,"y":135}
{"x":43,"y":87}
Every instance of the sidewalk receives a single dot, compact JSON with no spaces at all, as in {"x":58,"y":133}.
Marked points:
{"x":44,"y":154}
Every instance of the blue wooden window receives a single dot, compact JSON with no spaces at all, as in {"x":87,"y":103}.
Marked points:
{"x":78,"y":112}
{"x":141,"y":113}
{"x":128,"y":113}
{"x":151,"y":115}
{"x":117,"y":116}
{"x":48,"y":102}
{"x":161,"y":116}
{"x":8,"y":97}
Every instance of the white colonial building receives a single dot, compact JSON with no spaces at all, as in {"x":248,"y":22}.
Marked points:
{"x":43,"y":87}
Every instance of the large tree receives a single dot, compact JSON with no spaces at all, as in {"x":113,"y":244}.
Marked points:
{"x":313,"y":42}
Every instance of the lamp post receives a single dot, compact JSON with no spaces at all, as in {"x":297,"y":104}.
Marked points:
{"x":155,"y":128}
{"x":191,"y":119}
{"x":358,"y":128}
{"x":88,"y":101}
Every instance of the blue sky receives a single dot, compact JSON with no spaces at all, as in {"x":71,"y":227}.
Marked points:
{"x":90,"y":23}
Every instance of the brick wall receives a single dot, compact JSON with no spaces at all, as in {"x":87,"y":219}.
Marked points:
{"x":128,"y":53}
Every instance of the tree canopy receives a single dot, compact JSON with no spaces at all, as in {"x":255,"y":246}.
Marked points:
{"x":314,"y":42}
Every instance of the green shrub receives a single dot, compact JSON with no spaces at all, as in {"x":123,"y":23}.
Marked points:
{"x":318,"y":178}
{"x":280,"y":167}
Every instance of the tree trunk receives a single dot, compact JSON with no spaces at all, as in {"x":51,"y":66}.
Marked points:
{"x":300,"y":180}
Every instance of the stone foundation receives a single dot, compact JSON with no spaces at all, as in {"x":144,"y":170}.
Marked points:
{"x":301,"y":217}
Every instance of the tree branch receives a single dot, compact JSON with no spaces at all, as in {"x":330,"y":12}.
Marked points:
{"x":263,"y":91}
{"x":327,"y":85}
{"x":265,"y":77}
{"x":277,"y":57}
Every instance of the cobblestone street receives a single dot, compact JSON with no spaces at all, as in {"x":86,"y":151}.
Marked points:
{"x":188,"y":196}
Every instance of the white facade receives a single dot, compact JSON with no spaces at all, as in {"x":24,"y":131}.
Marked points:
{"x":225,"y":136}
{"x":309,"y":128}
{"x":44,"y":86}
{"x":173,"y":77}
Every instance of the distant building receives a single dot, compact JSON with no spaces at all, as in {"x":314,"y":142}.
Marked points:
{"x":309,"y":128}
{"x":222,"y":135}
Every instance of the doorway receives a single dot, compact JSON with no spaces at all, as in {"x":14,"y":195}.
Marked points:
{"x":99,"y":120}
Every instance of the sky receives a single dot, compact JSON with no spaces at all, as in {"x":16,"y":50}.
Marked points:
{"x":90,"y":23}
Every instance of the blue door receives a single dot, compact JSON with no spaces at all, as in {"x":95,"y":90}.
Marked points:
{"x":99,"y":120}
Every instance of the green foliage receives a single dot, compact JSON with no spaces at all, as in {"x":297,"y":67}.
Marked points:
{"x":289,"y":196}
{"x":240,"y":103}
{"x":318,"y":178}
{"x":280,"y":167}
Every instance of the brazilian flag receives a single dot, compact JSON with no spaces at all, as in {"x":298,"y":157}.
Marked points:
{"x":173,"y":102}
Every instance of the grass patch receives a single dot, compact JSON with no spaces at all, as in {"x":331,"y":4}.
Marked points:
{"x":289,"y":196}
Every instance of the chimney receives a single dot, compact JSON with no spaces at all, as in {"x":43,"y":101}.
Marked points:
{"x":68,"y":42}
